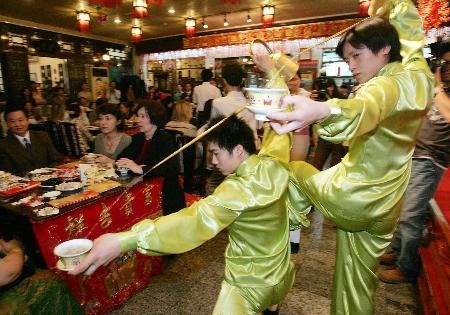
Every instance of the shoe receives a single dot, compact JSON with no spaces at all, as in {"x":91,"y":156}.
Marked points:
{"x":269,"y":312}
{"x":388,"y":258}
{"x":393,"y":276}
{"x":295,"y":247}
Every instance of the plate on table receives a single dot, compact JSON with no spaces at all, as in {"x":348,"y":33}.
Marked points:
{"x":61,"y":267}
{"x":44,"y":177}
{"x":44,"y":170}
{"x":261,"y":112}
{"x":47,"y":211}
{"x":52,"y":194}
{"x":69,"y":186}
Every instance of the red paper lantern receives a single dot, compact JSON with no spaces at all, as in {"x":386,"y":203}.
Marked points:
{"x":363,"y":9}
{"x":140,"y":8}
{"x":83,"y":21}
{"x":268,"y":15}
{"x":189,"y":30}
{"x":136,"y":33}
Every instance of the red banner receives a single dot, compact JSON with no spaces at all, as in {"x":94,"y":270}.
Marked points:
{"x":110,"y":286}
{"x":300,"y":31}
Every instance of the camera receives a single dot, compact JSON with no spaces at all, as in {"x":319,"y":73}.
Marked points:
{"x":437,"y":50}
{"x":322,"y":86}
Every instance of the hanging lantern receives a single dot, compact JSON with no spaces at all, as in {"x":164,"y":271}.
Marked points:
{"x":140,"y":8}
{"x":83,"y":21}
{"x":363,"y":9}
{"x":268,"y":15}
{"x":189,"y":30}
{"x":136,"y":33}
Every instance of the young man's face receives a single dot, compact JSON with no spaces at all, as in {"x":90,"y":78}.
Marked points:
{"x":17,"y":122}
{"x":363,"y":63}
{"x":223,"y":160}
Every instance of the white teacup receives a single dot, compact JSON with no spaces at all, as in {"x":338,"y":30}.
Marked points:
{"x":265,"y":98}
{"x":72,"y":252}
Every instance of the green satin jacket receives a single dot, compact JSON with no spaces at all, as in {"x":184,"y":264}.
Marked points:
{"x":381,"y":123}
{"x":252,"y":204}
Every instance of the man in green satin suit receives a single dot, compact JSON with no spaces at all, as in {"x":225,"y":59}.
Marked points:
{"x":363,"y":194}
{"x":252,"y":203}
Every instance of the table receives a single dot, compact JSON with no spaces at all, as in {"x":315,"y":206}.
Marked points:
{"x":434,"y":280}
{"x":110,"y":286}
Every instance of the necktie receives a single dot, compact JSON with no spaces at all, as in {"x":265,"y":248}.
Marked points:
{"x":28,"y":147}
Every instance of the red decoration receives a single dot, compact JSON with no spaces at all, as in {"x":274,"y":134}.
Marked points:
{"x":106,"y":3}
{"x":102,"y":18}
{"x":363,"y":10}
{"x":189,"y":29}
{"x":136,"y":33}
{"x":140,"y":9}
{"x":434,"y":13}
{"x":268,"y":15}
{"x":83,"y":21}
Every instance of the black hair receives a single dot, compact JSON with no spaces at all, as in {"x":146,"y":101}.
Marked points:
{"x":206,"y":75}
{"x":155,"y":110}
{"x":111,"y":109}
{"x":11,"y":109}
{"x":230,"y":133}
{"x":233,"y":74}
{"x":374,"y":34}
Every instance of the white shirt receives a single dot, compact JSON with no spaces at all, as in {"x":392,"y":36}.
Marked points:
{"x":204,"y":92}
{"x":228,"y":104}
{"x":22,"y":139}
{"x":113,"y":98}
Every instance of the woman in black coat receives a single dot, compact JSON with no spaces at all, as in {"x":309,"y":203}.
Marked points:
{"x":149,"y":147}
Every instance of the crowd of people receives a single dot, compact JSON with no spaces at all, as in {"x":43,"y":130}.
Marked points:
{"x":354,"y":165}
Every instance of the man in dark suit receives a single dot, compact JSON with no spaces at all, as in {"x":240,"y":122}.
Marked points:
{"x":23,"y":150}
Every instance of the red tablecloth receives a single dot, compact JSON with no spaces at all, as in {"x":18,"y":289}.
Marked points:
{"x":109,"y":286}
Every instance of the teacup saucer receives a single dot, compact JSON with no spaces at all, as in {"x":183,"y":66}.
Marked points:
{"x":261,"y":112}
{"x":61,"y":267}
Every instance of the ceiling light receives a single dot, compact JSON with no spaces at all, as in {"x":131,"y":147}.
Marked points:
{"x":83,"y":21}
{"x":140,"y":8}
{"x":106,"y":57}
{"x":189,"y":29}
{"x":204,"y":24}
{"x":249,"y":18}
{"x":136,"y":33}
{"x":171,"y":11}
{"x":225,"y":21}
{"x":268,"y":15}
{"x":117,"y":20}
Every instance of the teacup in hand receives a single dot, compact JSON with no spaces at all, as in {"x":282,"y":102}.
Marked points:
{"x":72,"y":252}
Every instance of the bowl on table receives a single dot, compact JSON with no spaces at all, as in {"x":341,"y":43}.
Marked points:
{"x":71,"y":253}
{"x":69,"y":187}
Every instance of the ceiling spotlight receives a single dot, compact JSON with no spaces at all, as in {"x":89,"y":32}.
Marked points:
{"x":171,"y":11}
{"x":204,"y":24}
{"x":225,"y":22}
{"x":117,"y":20}
{"x":106,"y":57}
{"x":249,"y":18}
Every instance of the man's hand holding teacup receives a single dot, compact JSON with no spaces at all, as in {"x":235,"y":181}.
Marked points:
{"x":305,"y":112}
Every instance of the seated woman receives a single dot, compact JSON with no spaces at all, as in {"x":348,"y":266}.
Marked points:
{"x":79,"y":118}
{"x":111,"y":142}
{"x":24,"y":292}
{"x":126,"y":112}
{"x":181,"y":117}
{"x":149,"y":147}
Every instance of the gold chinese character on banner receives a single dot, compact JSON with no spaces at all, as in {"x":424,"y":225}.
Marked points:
{"x":105,"y":217}
{"x":127,"y":205}
{"x":148,"y":194}
{"x":75,"y":226}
